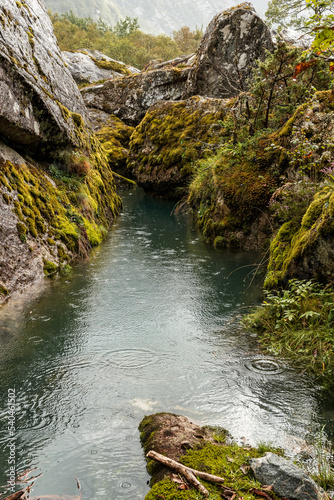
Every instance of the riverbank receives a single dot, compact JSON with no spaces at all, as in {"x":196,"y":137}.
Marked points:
{"x":298,"y":323}
{"x":248,"y":472}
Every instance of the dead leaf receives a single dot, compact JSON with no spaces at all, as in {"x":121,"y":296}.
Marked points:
{"x":230,"y":459}
{"x":261,"y":493}
{"x":244,"y":468}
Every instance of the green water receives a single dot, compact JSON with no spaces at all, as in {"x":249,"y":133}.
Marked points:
{"x":144,"y":326}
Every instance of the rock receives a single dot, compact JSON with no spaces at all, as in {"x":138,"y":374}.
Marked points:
{"x":114,"y":135}
{"x":57,"y":192}
{"x":287,"y":480}
{"x":38,"y":95}
{"x":171,"y":137}
{"x":130,"y":97}
{"x":181,"y":61}
{"x":234,"y":40}
{"x":172,"y":435}
{"x":303,"y":248}
{"x":89,"y":66}
{"x":292,"y":37}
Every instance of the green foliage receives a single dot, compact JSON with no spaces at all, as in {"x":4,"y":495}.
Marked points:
{"x":124,"y":42}
{"x":292,"y":200}
{"x":296,"y":13}
{"x":278,"y":90}
{"x":299,"y":322}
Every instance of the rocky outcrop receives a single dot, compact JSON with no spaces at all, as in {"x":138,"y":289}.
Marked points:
{"x":287,"y":480}
{"x":171,"y":137}
{"x":36,"y":89}
{"x":233,"y":42}
{"x":172,"y":435}
{"x":114,"y":135}
{"x":304,"y":246}
{"x":89,"y":66}
{"x":57,"y":192}
{"x":130,"y":97}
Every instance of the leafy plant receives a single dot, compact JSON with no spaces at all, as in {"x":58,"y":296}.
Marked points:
{"x":299,"y":322}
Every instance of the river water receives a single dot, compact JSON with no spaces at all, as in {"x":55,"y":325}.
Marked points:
{"x":145,"y":326}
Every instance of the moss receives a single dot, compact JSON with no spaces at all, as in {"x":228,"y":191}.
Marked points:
{"x":171,"y":138}
{"x":223,"y":461}
{"x":111,"y":66}
{"x":94,"y":233}
{"x":287,"y":128}
{"x":22,"y":230}
{"x":3,"y":290}
{"x":49,"y":268}
{"x":7,"y":199}
{"x":298,"y":238}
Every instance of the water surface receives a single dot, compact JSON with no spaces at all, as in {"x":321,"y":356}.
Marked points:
{"x":146,"y":325}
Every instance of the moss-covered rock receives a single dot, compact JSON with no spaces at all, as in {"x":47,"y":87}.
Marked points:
{"x":230,"y":191}
{"x":89,"y":66}
{"x":207,"y":449}
{"x":114,"y":135}
{"x":51,"y":220}
{"x":129,"y":97}
{"x":171,"y":138}
{"x":172,"y":435}
{"x":305,"y":248}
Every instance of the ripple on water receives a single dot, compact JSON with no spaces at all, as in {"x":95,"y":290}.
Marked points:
{"x":265,"y":366}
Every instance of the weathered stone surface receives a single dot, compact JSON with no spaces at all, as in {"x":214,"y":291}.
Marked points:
{"x":172,"y":435}
{"x":36,"y":89}
{"x":129,"y":97}
{"x":187,"y":60}
{"x":21,"y":263}
{"x":234,"y":40}
{"x":171,"y":137}
{"x":89,"y":66}
{"x":287,"y":480}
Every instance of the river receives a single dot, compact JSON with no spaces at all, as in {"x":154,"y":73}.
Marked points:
{"x":145,"y":326}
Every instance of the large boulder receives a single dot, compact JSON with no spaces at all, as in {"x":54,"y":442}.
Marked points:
{"x":57,"y":192}
{"x":286,"y":479}
{"x":169,"y":140}
{"x":232,"y":44}
{"x":40,"y":104}
{"x":130,"y":97}
{"x":89,"y":66}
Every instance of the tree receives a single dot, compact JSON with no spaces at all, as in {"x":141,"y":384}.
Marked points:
{"x":187,"y":40}
{"x":298,"y":14}
{"x":126,"y":27}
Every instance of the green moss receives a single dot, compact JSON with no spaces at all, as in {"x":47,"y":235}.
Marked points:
{"x":49,"y":268}
{"x":50,"y":241}
{"x":223,"y":461}
{"x":111,"y":66}
{"x":94,"y":233}
{"x":7,"y":199}
{"x":297,"y":238}
{"x":287,"y":128}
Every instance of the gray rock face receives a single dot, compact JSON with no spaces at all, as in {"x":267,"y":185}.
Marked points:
{"x":233,"y":42}
{"x":129,"y":97}
{"x":36,"y":89}
{"x":89,"y":66}
{"x":287,"y":480}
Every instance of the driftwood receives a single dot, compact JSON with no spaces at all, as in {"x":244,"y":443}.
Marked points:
{"x":188,"y":473}
{"x":15,"y":496}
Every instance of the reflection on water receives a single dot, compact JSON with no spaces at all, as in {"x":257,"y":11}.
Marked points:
{"x":145,"y":326}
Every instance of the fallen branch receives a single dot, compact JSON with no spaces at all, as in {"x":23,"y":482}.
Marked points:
{"x":188,"y":473}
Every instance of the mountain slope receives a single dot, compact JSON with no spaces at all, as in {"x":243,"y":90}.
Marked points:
{"x":155,"y":16}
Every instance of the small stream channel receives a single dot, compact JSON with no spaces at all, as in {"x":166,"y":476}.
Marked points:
{"x":144,"y":326}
